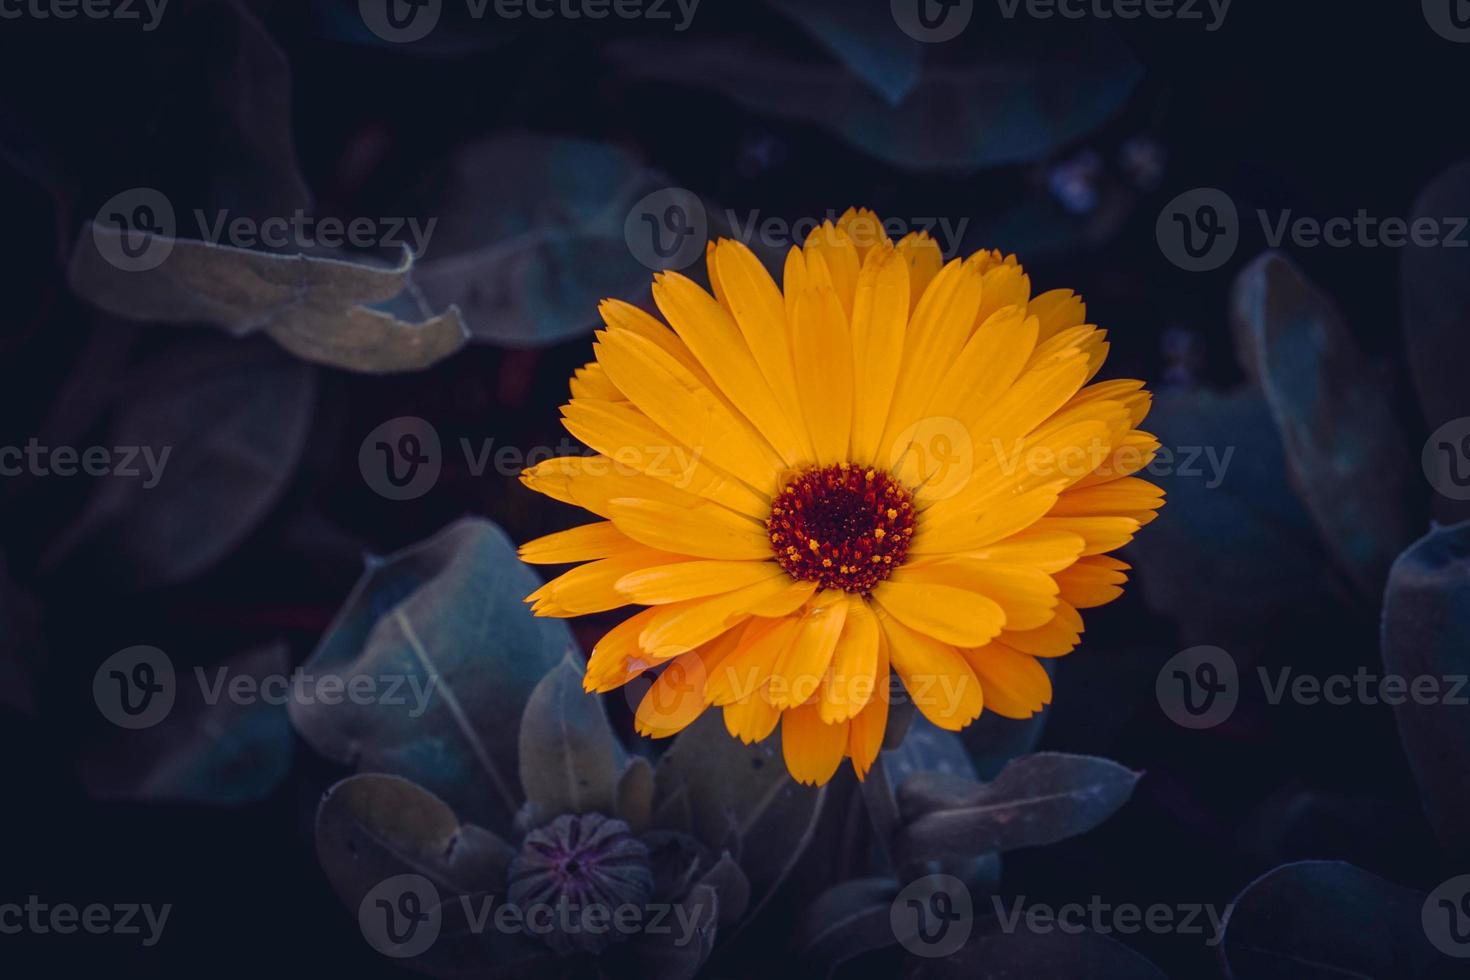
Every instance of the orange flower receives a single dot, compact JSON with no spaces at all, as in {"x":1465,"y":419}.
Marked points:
{"x":893,"y":463}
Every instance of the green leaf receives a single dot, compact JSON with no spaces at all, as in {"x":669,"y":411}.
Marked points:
{"x":320,"y":309}
{"x":570,"y":760}
{"x":732,"y":887}
{"x":447,"y":615}
{"x":1344,"y":450}
{"x":372,"y":827}
{"x":226,"y":753}
{"x":1036,"y":800}
{"x":233,"y":420}
{"x":1426,"y":618}
{"x":1436,"y":313}
{"x":531,"y":235}
{"x":847,"y":920}
{"x":737,"y":797}
{"x":635,"y":794}
{"x":1323,"y":920}
{"x":1030,"y":108}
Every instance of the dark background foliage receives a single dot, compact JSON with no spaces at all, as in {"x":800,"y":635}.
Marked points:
{"x":1321,"y":108}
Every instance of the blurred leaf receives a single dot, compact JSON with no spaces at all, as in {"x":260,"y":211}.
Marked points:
{"x":635,"y":794}
{"x":446,"y":612}
{"x":1436,"y":311}
{"x":570,"y":760}
{"x":1321,"y":920}
{"x":1037,"y":799}
{"x":650,"y":955}
{"x":925,"y":748}
{"x":319,"y":309}
{"x":737,"y":797}
{"x":226,"y":753}
{"x":1343,"y":448}
{"x":233,"y":420}
{"x":1028,"y":110}
{"x":372,"y":827}
{"x":862,"y":35}
{"x":530,"y":235}
{"x":1234,"y":550}
{"x":993,"y":954}
{"x":1426,"y":619}
{"x":732,"y":887}
{"x":847,"y":920}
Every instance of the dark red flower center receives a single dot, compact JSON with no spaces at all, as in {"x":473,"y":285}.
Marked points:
{"x":843,"y":526}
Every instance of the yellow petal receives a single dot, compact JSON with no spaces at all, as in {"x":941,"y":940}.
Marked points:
{"x":748,"y":670}
{"x":939,"y":681}
{"x":1056,"y":310}
{"x":686,"y":408}
{"x":589,"y":588}
{"x":974,"y":532}
{"x":1101,"y":534}
{"x":759,"y":310}
{"x":617,"y":658}
{"x":585,"y":543}
{"x":621,"y":432}
{"x":799,"y":672}
{"x":1028,"y":596}
{"x":676,"y":582}
{"x":681,"y":626}
{"x":936,"y":333}
{"x":840,"y":257}
{"x":921,"y":254}
{"x":676,"y":699}
{"x":705,"y":530}
{"x":865,"y":736}
{"x":1049,"y":551}
{"x":1016,"y":685}
{"x":822,"y":346}
{"x":853,"y":678}
{"x":880,"y":315}
{"x":1057,"y":638}
{"x":752,"y":719}
{"x":710,"y":332}
{"x":952,"y":615}
{"x":1093,"y":581}
{"x":813,"y":749}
